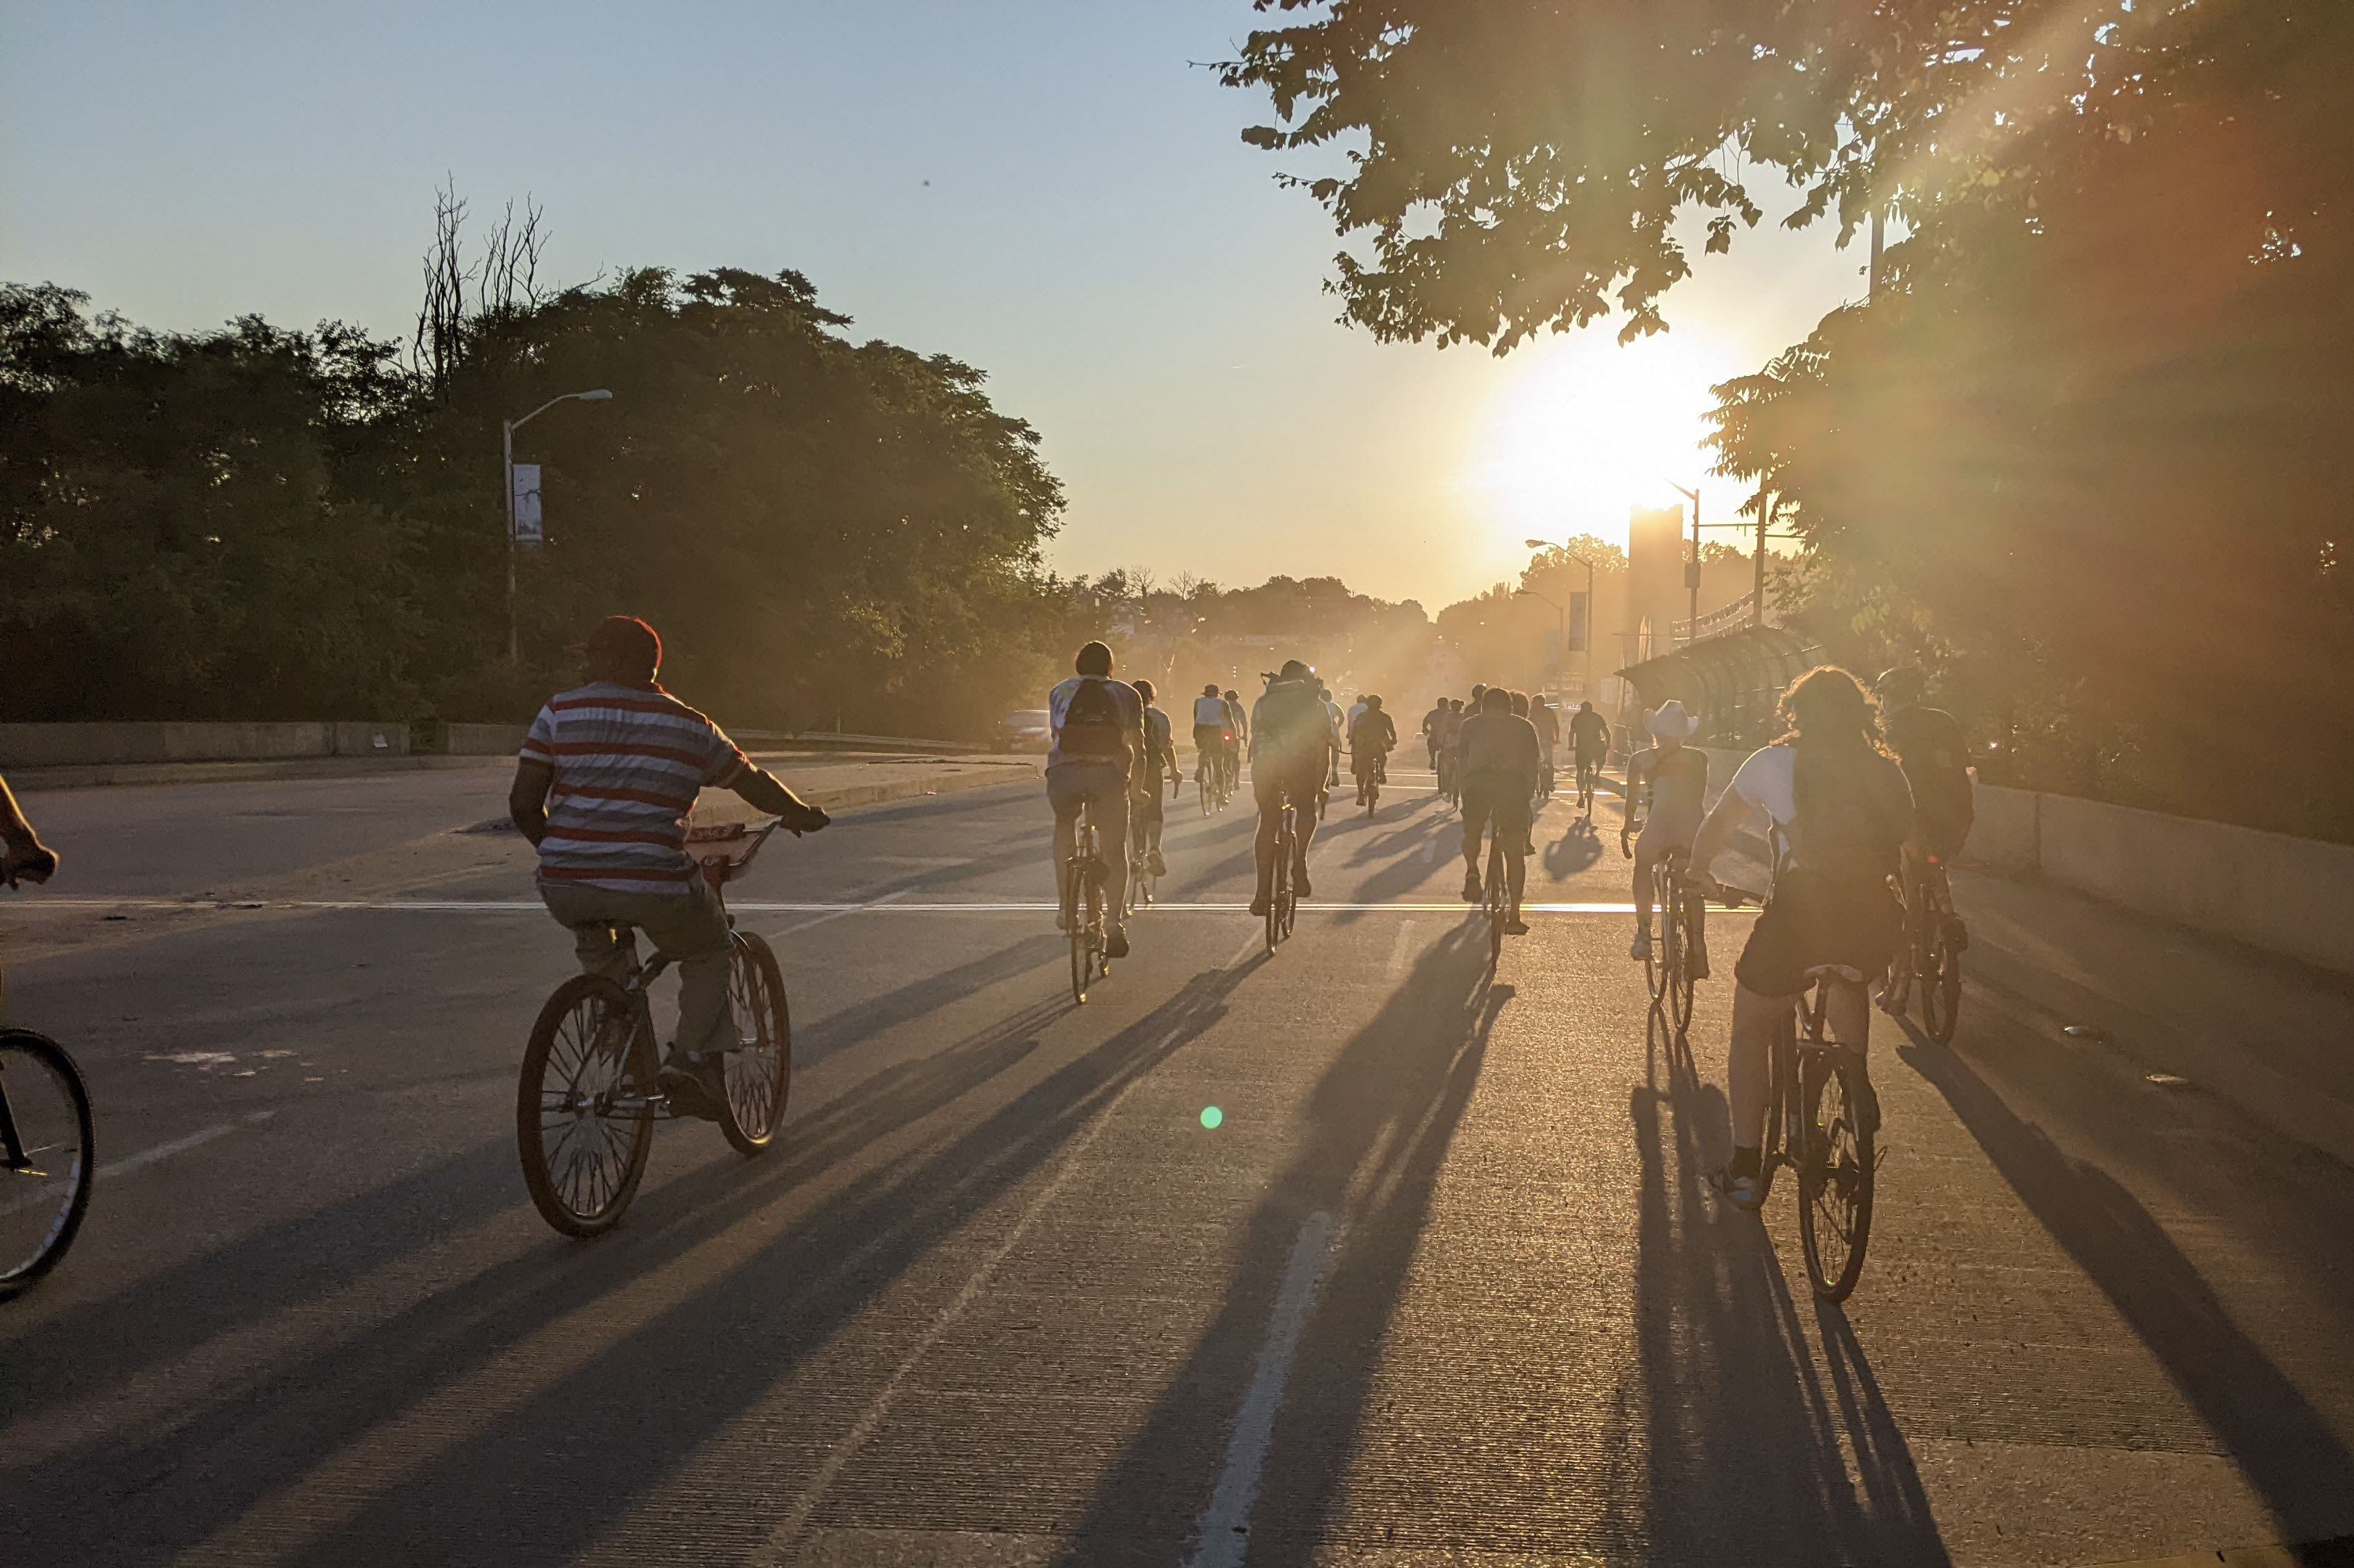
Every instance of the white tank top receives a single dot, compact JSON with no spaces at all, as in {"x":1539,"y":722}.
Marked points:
{"x":1209,"y":710}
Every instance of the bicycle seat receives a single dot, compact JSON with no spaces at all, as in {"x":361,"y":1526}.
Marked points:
{"x":1835,"y":971}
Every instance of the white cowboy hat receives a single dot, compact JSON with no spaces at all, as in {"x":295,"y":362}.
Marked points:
{"x":1670,"y":720}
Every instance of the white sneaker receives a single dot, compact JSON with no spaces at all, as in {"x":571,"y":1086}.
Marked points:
{"x":1746,"y":1194}
{"x":1641,"y":951}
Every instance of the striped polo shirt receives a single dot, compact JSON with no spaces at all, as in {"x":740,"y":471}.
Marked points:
{"x":629,"y":762}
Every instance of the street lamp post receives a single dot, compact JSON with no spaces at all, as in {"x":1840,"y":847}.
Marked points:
{"x":506,"y":439}
{"x":1590,"y":618}
{"x":1691,"y":572}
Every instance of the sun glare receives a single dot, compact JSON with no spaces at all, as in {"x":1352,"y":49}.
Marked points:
{"x":1589,"y":430}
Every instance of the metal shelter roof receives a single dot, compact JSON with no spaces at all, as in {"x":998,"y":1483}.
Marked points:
{"x":1732,"y":681}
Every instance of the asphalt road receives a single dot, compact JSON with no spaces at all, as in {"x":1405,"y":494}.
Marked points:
{"x":1443,"y":1286}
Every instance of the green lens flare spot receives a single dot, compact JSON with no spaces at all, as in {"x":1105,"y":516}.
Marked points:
{"x":1212,"y":1116}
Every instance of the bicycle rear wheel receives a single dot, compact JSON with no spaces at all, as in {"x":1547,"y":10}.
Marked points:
{"x":1676,"y":918}
{"x":584,"y":1122}
{"x":760,"y":1070}
{"x":1940,"y":977}
{"x":1075,"y":905}
{"x":1835,"y":1171}
{"x":45,"y":1165}
{"x":1499,"y":899}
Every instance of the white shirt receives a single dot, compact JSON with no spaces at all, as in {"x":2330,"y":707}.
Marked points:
{"x":1767,"y":779}
{"x":1210,"y":711}
{"x":1333,"y":709}
{"x":1356,"y":712}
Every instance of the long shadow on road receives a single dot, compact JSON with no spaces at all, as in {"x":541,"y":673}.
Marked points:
{"x":1729,"y":1437}
{"x":520,"y":1414}
{"x":1379,"y":1122}
{"x":2287,"y":1450}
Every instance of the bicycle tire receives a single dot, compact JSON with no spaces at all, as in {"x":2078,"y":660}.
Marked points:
{"x":624,"y":1120}
{"x":759,"y":1093}
{"x":73,"y":1201}
{"x":1941,"y":981}
{"x":1498,"y":900}
{"x":1834,"y":1174}
{"x":1100,"y":965}
{"x":1677,"y":917}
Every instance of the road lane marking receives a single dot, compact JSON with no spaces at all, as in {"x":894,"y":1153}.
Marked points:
{"x":1398,"y":949}
{"x":834,"y":913}
{"x":113,"y":1169}
{"x":870,"y":1420}
{"x":1223,"y":1540}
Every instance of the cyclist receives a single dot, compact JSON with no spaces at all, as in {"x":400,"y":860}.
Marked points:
{"x":1291,"y":753}
{"x":1929,"y":747}
{"x":1160,"y":762}
{"x":1211,"y":732}
{"x":1838,"y":808}
{"x":1430,"y":722}
{"x":1332,"y":713}
{"x":1096,"y":725}
{"x":1370,"y":740}
{"x":1667,"y":788}
{"x":27,"y":858}
{"x":602,"y":787}
{"x":1547,"y":718}
{"x":1589,"y":738}
{"x":1498,"y":758}
{"x":1237,"y":738}
{"x":1448,"y":733}
{"x":1356,"y":712}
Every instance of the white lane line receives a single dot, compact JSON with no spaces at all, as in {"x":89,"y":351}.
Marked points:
{"x":1224,"y":1544}
{"x":146,"y":1157}
{"x":834,"y":913}
{"x":781,"y":1540}
{"x":1248,"y":950}
{"x":1398,"y":950}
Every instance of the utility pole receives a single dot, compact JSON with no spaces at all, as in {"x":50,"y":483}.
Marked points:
{"x":1691,"y":572}
{"x":507,"y":427}
{"x":1766,"y":503}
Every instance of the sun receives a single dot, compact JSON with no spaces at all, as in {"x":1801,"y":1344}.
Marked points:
{"x":1588,"y":430}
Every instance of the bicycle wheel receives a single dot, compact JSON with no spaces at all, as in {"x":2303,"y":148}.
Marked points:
{"x":1498,"y":899}
{"x":1075,"y":905}
{"x":1835,"y":1172}
{"x":583,"y":1120}
{"x":45,"y":1165}
{"x":1095,"y":916}
{"x":1676,"y":916}
{"x":1940,"y":977}
{"x":760,"y":1071}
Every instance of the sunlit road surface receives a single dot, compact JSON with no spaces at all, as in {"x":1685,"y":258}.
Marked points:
{"x":1443,"y":1284}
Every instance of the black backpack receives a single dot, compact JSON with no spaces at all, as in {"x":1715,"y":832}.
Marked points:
{"x":1093,"y":723}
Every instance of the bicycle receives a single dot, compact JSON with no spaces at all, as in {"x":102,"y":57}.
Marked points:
{"x":1667,"y":969}
{"x":1085,"y":876}
{"x":1141,"y":891}
{"x":46,"y":1163}
{"x":1822,"y":1121}
{"x":588,"y":1094}
{"x":1283,"y":903}
{"x":1497,"y":898}
{"x":1589,"y":776}
{"x":1935,"y":940}
{"x":1370,"y":785}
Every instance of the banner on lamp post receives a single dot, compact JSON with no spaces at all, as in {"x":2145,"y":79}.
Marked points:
{"x":527,"y":527}
{"x":1577,"y":623}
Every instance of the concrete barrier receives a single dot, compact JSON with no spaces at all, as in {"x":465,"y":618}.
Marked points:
{"x":480,"y":739}
{"x":87,"y":745}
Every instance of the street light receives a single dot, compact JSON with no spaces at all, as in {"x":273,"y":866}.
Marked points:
{"x":1587,"y":690}
{"x":1691,"y":572}
{"x":508,"y":444}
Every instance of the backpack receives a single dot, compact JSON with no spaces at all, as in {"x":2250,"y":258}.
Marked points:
{"x":1093,"y":724}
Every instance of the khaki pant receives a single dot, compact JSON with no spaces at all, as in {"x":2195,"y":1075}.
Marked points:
{"x":691,"y":926}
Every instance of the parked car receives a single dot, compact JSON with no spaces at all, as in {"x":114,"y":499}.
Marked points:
{"x":1027,"y":730}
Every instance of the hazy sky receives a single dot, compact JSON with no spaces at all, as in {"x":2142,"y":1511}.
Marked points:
{"x":1048,"y":190}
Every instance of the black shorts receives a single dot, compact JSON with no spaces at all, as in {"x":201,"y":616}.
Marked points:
{"x":1485,"y":796}
{"x":1808,"y":923}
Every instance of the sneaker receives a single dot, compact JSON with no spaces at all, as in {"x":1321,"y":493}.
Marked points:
{"x":1698,"y":964}
{"x":696,"y":1084}
{"x":1641,"y":951}
{"x":1471,"y":889}
{"x":1516,"y":927}
{"x":1155,"y":864}
{"x":1261,"y":904}
{"x":1062,"y":919}
{"x":1299,"y":883}
{"x":1746,"y":1194}
{"x":1116,"y":942}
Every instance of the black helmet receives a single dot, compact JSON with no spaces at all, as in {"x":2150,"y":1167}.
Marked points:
{"x":1293,"y":669}
{"x":1904,"y":684}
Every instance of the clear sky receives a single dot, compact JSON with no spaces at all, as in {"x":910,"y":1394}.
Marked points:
{"x":1049,"y":189}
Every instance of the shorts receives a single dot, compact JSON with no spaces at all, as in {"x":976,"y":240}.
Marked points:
{"x":1808,"y":922}
{"x":1209,"y":738}
{"x":1486,"y":797}
{"x":1941,"y":833}
{"x":1303,"y":787}
{"x":1661,"y":834}
{"x":1102,"y":786}
{"x":1591,"y":759}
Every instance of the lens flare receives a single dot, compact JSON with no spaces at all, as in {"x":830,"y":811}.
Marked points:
{"x":1212,"y":1116}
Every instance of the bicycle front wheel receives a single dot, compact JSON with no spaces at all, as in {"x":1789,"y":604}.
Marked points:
{"x":1835,"y":1173}
{"x":1676,"y":918}
{"x":584,"y":1118}
{"x":760,"y":1070}
{"x":46,"y":1163}
{"x":1075,"y":908}
{"x":1941,"y":981}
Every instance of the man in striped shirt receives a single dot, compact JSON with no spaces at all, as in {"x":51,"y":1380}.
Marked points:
{"x":606,"y":777}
